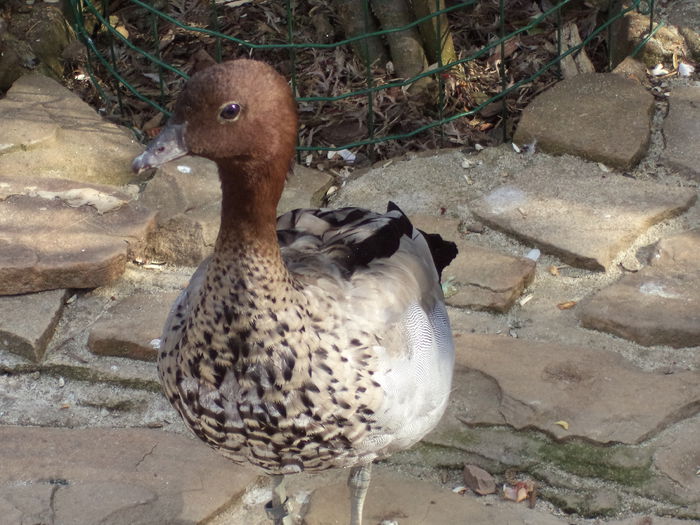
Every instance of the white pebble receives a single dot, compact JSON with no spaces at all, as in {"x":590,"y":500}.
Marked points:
{"x":685,"y":70}
{"x":533,"y":254}
{"x":525,"y":299}
{"x":468,"y":164}
{"x":659,"y":70}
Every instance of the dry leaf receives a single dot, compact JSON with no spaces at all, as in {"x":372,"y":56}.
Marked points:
{"x":521,"y":494}
{"x":521,"y":491}
{"x":510,"y":493}
{"x":553,"y":270}
{"x":562,"y":424}
{"x":566,"y":305}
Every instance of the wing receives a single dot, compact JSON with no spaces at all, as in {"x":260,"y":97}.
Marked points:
{"x":352,"y":238}
{"x":385,"y":274}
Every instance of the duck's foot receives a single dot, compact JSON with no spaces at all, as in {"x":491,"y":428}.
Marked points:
{"x":278,"y":508}
{"x":358,"y":481}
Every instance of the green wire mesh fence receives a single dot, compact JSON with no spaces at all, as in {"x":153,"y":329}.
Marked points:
{"x":130,"y":42}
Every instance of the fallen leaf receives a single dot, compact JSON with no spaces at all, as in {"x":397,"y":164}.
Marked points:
{"x":510,"y":493}
{"x":553,"y":270}
{"x":562,"y":424}
{"x":566,"y":305}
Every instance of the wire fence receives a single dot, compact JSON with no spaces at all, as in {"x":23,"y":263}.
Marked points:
{"x":108,"y":43}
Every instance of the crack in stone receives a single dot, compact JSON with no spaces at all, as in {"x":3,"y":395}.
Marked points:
{"x":138,"y":463}
{"x":52,"y":500}
{"x":488,"y":288}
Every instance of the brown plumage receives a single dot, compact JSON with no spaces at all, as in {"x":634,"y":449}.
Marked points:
{"x":315,"y":341}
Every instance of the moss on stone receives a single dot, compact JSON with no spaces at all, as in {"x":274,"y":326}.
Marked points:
{"x":615,"y":463}
{"x":428,"y":454}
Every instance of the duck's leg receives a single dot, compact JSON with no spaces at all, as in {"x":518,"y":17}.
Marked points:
{"x":358,"y":481}
{"x":278,"y":509}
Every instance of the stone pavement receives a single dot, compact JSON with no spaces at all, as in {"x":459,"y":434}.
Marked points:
{"x":575,"y":303}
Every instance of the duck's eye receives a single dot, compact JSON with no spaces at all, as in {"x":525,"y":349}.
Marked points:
{"x":229,"y":111}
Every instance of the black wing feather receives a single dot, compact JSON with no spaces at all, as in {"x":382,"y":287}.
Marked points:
{"x":354,"y":237}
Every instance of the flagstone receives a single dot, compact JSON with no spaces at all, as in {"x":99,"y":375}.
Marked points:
{"x":660,"y":304}
{"x":586,"y":218}
{"x":598,"y":395}
{"x":27,"y":322}
{"x":132,"y":327}
{"x":479,"y":278}
{"x":681,"y":131}
{"x":48,"y":131}
{"x":393,"y":498}
{"x":135,"y":476}
{"x":601,"y":117}
{"x":57,"y":233}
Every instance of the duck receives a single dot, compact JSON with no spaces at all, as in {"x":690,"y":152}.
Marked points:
{"x":313,"y":341}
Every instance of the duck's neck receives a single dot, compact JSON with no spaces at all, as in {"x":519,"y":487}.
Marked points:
{"x":250,"y":193}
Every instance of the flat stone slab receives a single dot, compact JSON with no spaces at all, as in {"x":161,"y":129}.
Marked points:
{"x":652,"y":307}
{"x":305,"y":187}
{"x":598,"y":116}
{"x":186,"y":193}
{"x":422,"y":184}
{"x":117,"y":476}
{"x":48,"y":131}
{"x":27,"y":322}
{"x":392,"y":498}
{"x":57,"y":233}
{"x":132,"y":327}
{"x":647,"y":520}
{"x":678,"y":458}
{"x":478,"y":278}
{"x":601,"y":396}
{"x":681,"y":131}
{"x":583,"y":217}
{"x":659,"y":305}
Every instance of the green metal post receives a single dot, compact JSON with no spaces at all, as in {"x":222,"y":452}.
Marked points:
{"x":370,"y":81}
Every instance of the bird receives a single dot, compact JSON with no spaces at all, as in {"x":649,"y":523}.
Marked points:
{"x":316,"y":340}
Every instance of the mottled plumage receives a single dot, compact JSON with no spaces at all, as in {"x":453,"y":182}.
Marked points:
{"x":320,"y":340}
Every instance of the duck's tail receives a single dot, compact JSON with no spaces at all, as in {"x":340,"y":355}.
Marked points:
{"x":442,"y":251}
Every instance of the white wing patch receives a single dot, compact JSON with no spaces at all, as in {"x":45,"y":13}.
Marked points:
{"x":417,"y":384}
